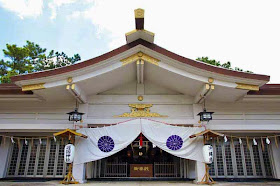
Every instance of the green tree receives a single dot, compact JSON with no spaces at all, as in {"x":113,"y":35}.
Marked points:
{"x":18,"y":58}
{"x":226,"y":65}
{"x":31,"y":58}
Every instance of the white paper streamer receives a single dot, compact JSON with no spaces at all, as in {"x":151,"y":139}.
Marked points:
{"x":25,"y":142}
{"x":254,"y":141}
{"x":154,"y":146}
{"x":240,"y":141}
{"x":12,"y":139}
{"x":267,"y":141}
{"x":225,"y":138}
{"x":54,"y":138}
{"x":40,"y":141}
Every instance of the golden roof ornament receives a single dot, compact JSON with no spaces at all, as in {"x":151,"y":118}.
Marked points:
{"x":140,"y":110}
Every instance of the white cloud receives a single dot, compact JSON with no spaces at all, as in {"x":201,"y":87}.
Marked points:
{"x":23,"y":8}
{"x":55,"y":4}
{"x":243,"y":32}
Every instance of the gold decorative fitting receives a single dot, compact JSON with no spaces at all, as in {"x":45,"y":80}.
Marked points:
{"x":210,"y":80}
{"x":33,"y":87}
{"x":140,"y":31}
{"x":140,"y":54}
{"x":140,"y":98}
{"x":70,"y":80}
{"x":140,"y":110}
{"x":247,"y":87}
{"x":139,"y":13}
{"x":141,"y":57}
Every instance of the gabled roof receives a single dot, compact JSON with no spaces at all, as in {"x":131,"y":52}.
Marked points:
{"x":152,"y":46}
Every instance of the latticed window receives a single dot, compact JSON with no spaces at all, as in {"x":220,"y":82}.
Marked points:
{"x":219,"y":159}
{"x":32,"y":159}
{"x":241,"y":160}
{"x":266,"y":161}
{"x":60,"y":161}
{"x":13,"y":160}
{"x":238,"y":158}
{"x":22,"y":164}
{"x":37,"y":160}
{"x":51,"y":158}
{"x":248,"y":161}
{"x":228,"y":159}
{"x":257,"y":160}
{"x":41,"y":160}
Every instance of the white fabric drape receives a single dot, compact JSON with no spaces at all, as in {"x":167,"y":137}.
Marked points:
{"x":158,"y":133}
{"x":123,"y":134}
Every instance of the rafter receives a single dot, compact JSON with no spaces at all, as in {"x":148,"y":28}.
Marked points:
{"x":203,"y":93}
{"x":77,"y":92}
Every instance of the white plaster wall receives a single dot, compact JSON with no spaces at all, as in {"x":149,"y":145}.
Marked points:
{"x":35,"y":115}
{"x":245,"y":116}
{"x":125,"y":89}
{"x":130,"y":88}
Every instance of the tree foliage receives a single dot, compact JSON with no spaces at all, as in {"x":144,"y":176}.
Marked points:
{"x":226,"y":65}
{"x":31,"y":58}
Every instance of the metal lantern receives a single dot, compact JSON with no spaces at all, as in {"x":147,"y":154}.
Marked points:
{"x":205,"y":116}
{"x":75,"y":115}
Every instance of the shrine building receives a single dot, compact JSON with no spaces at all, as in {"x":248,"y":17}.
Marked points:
{"x":140,"y":105}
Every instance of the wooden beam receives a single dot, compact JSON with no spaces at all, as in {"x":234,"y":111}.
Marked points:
{"x":77,"y":92}
{"x":203,"y":93}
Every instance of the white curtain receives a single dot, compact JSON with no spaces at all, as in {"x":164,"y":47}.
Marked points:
{"x":87,"y":150}
{"x":174,"y":140}
{"x":106,"y":141}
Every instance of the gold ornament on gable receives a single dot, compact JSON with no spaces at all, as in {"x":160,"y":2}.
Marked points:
{"x":140,"y":110}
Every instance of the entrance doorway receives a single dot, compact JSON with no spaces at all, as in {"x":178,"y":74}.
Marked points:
{"x":148,"y":161}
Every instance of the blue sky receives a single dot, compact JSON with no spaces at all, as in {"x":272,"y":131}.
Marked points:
{"x":60,"y":34}
{"x":243,"y":32}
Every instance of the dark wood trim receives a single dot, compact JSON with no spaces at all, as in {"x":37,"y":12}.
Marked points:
{"x":151,"y":46}
{"x":11,"y":88}
{"x":267,"y":89}
{"x":139,"y":23}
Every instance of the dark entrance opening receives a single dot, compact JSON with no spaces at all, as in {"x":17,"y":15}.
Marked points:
{"x":134,"y":161}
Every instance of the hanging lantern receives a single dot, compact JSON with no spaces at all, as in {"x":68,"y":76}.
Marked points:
{"x":205,"y":116}
{"x":75,"y":115}
{"x":208,"y":154}
{"x":69,"y":152}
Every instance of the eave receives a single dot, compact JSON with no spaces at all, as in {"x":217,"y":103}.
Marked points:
{"x":152,"y":46}
{"x":267,"y":89}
